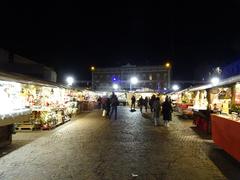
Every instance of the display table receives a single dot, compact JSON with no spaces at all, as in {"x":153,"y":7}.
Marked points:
{"x":225,"y":133}
{"x":15,"y":116}
{"x":185,"y":110}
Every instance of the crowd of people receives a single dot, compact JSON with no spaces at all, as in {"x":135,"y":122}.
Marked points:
{"x":156,"y":107}
{"x":109,"y":106}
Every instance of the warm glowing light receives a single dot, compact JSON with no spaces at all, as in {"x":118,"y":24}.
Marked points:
{"x":167,"y":65}
{"x":92,"y":68}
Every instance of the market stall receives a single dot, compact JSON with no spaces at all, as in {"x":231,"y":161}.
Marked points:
{"x":201,"y":114}
{"x":226,"y":123}
{"x":28,"y":104}
{"x":225,"y":133}
{"x":48,"y":104}
{"x":183,"y":102}
{"x":12,"y":107}
{"x":12,"y":110}
{"x":88,"y":101}
{"x":214,"y":98}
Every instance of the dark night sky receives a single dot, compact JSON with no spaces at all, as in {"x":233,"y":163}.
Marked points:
{"x":70,"y":37}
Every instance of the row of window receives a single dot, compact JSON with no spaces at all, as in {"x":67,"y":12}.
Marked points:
{"x":143,"y":76}
{"x":126,"y":85}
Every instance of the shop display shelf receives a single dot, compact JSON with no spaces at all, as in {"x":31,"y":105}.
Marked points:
{"x":25,"y":127}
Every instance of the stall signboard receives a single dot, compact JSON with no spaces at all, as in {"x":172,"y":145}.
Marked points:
{"x":225,"y":107}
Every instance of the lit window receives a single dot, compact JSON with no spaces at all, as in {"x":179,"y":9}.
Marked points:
{"x":150,"y":77}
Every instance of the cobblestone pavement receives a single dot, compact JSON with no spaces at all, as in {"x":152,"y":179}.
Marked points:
{"x":128,"y":148}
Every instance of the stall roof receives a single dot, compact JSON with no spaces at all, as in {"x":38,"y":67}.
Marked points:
{"x":14,"y":77}
{"x":223,"y":82}
{"x":181,"y":91}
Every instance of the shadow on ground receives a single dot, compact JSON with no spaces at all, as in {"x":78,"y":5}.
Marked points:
{"x":225,"y":163}
{"x":201,"y":134}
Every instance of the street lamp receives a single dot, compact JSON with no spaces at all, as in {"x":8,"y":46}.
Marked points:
{"x":175,"y":87}
{"x":115,"y":86}
{"x":92,"y":68}
{"x":167,"y":65}
{"x":133,"y":80}
{"x":215,"y":80}
{"x":70,"y":80}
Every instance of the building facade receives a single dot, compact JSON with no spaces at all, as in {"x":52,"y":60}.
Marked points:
{"x":151,"y":77}
{"x":14,"y":63}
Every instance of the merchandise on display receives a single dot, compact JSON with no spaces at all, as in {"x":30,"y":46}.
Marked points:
{"x":11,"y":104}
{"x":45,"y":105}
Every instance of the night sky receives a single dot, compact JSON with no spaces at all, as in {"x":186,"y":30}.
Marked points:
{"x":195,"y":36}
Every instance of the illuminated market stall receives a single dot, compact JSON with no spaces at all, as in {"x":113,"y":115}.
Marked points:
{"x":34,"y":104}
{"x":183,"y":102}
{"x":216,"y":110}
{"x":226,"y":124}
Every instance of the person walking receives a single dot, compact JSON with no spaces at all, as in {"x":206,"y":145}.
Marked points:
{"x":133,"y":99}
{"x":108,"y":106}
{"x":104,"y":106}
{"x":146,"y":103}
{"x":157,"y":107}
{"x":99,"y":101}
{"x":167,"y":111}
{"x":151,"y":102}
{"x":114,"y":103}
{"x":141,"y":103}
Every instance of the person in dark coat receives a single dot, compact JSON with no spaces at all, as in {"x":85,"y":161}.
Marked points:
{"x":108,"y":106}
{"x":99,"y":101}
{"x":167,"y":111}
{"x":151,"y":102}
{"x":133,"y":99}
{"x":114,"y":103}
{"x":146,"y":103}
{"x":141,"y":103}
{"x":157,"y":107}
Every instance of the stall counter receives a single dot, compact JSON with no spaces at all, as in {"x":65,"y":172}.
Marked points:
{"x":225,"y":133}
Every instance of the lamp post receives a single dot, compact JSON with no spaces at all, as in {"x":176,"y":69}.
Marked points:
{"x":92,"y":70}
{"x":133,"y":80}
{"x":168,"y":67}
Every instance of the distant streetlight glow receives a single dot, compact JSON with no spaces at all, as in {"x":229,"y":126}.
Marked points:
{"x":215,"y":80}
{"x":164,"y":89}
{"x":92,"y":68}
{"x":175,"y":87}
{"x":134,"y":80}
{"x":167,"y":65}
{"x":115,"y":86}
{"x":70,"y":80}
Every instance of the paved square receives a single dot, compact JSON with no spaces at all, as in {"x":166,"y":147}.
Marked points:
{"x":92,"y":147}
